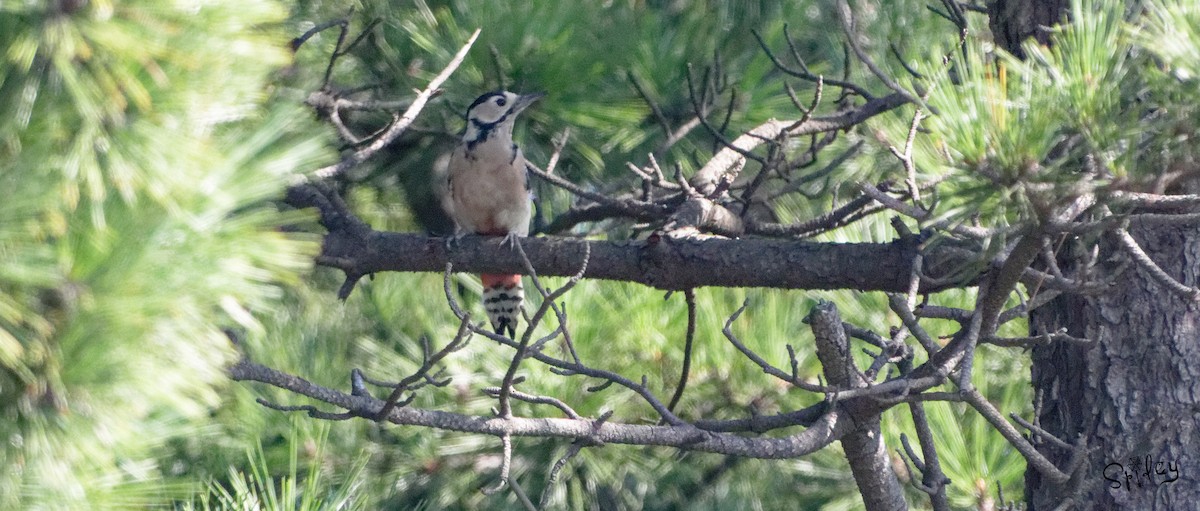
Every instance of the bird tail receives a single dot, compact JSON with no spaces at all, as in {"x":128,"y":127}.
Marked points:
{"x":502,"y":297}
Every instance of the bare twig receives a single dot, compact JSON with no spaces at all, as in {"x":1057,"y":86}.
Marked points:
{"x":537,"y":400}
{"x":900,"y":306}
{"x":559,"y":143}
{"x":460,"y":340}
{"x":803,"y":72}
{"x":396,"y":129}
{"x":846,"y":16}
{"x":1156,"y":272}
{"x":653,"y":176}
{"x":836,"y":218}
{"x":906,"y":158}
{"x":653,"y":105}
{"x":303,"y":38}
{"x":518,"y":356}
{"x":759,"y":361}
{"x":1042,"y":434}
{"x":550,"y":298}
{"x":311,"y":410}
{"x":812,"y":107}
{"x":833,"y":164}
{"x":323,"y":100}
{"x":908,"y":455}
{"x":548,"y":302}
{"x":629,"y":206}
{"x":728,"y":162}
{"x":522,"y":497}
{"x":1157,"y":202}
{"x":505,"y":465}
{"x":899,"y":387}
{"x":992,"y":415}
{"x":933,"y":477}
{"x":556,"y":469}
{"x":564,"y":367}
{"x":1045,"y":339}
{"x":920,"y":214}
{"x":700,"y":108}
{"x":863,"y":334}
{"x":822,"y":431}
{"x":572,"y":451}
{"x":964,"y":316}
{"x":900,"y":59}
{"x":689,"y":296}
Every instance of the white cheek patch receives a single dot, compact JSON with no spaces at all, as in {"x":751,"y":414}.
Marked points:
{"x":488,"y":114}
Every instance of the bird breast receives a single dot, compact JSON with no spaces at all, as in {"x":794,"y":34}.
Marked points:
{"x":487,"y":186}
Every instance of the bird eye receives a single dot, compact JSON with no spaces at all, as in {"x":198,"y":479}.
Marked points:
{"x":500,"y":102}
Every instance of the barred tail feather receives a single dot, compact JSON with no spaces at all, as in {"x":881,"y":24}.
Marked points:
{"x":502,"y":297}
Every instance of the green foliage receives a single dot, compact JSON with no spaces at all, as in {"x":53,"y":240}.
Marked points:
{"x":262,"y":490}
{"x":1171,"y":32}
{"x":583,"y":54}
{"x":973,"y":456}
{"x":588,"y":57}
{"x":147,"y":141}
{"x":448,"y":469}
{"x":144,"y":156}
{"x":1014,"y":138}
{"x":1170,"y":35}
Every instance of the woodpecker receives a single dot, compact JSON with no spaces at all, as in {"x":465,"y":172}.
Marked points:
{"x":489,"y":193}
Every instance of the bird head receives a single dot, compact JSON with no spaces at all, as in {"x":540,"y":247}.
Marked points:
{"x":495,"y":112}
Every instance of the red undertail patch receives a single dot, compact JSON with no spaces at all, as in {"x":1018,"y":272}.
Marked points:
{"x":492,"y":280}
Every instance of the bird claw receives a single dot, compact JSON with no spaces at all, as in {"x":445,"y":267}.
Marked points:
{"x":452,"y":241}
{"x":510,"y":239}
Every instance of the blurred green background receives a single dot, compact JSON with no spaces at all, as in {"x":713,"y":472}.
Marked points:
{"x":144,"y":146}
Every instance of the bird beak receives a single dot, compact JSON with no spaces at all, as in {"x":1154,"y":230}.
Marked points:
{"x":524,"y":100}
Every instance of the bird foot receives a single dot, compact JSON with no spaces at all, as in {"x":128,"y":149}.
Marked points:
{"x":511,"y":240}
{"x":452,"y":241}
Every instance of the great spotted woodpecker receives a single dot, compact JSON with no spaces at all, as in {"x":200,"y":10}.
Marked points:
{"x":489,"y":195}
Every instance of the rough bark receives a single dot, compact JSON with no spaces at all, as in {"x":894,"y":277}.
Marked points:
{"x":728,"y":162}
{"x":1014,"y":21}
{"x":663,"y":262}
{"x":1135,"y":393}
{"x":865,"y":450}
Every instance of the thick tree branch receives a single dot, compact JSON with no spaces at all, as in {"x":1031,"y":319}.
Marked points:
{"x":662,"y":262}
{"x":864,"y":446}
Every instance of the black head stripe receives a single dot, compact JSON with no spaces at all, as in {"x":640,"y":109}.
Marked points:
{"x":484,"y":129}
{"x":487,"y":126}
{"x":484,"y":98}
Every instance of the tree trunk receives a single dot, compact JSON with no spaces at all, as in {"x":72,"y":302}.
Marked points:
{"x":1134,"y":394}
{"x":1014,"y":21}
